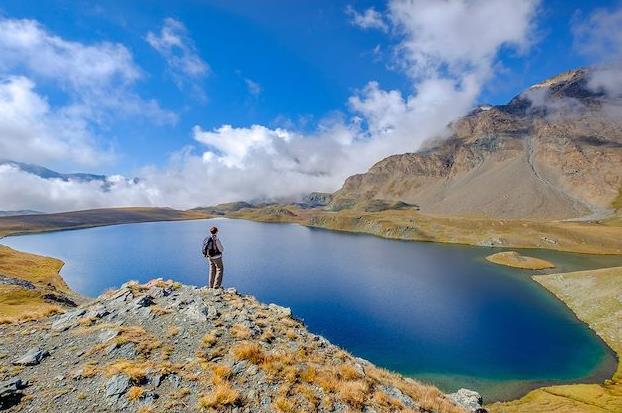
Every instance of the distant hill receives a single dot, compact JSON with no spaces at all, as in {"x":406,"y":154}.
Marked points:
{"x":20,"y":212}
{"x":553,"y":152}
{"x":46,"y":173}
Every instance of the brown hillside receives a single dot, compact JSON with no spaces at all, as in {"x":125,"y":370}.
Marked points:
{"x":554,"y":152}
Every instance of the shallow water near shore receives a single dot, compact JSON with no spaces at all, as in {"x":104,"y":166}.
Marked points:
{"x":433,"y":311}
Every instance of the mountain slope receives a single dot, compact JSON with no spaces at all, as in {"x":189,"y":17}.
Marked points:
{"x":167,"y":347}
{"x":553,"y":152}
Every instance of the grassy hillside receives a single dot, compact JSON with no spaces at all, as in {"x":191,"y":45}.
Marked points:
{"x":92,"y":218}
{"x":408,"y":224}
{"x":43,"y":291}
{"x":594,"y":296}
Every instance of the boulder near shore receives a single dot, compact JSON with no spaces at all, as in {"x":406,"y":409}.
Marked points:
{"x":167,"y":347}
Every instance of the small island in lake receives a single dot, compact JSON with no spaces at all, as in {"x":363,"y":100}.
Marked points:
{"x":515,"y":260}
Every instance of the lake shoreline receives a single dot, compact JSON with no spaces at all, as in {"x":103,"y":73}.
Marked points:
{"x":288,"y":220}
{"x":407,"y":225}
{"x":571,"y":289}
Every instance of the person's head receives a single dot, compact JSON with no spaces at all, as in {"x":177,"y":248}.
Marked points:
{"x":213,"y":231}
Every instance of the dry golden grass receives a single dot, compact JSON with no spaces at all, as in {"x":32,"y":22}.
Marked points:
{"x":134,"y":393}
{"x":209,"y":339}
{"x":145,"y":342}
{"x":218,"y":373}
{"x":585,"y":237}
{"x":249,"y":351}
{"x":515,"y":260}
{"x":33,"y":268}
{"x":348,"y":372}
{"x":172,"y":331}
{"x":353,"y":392}
{"x":89,"y":369}
{"x":284,"y":405}
{"x":135,"y":370}
{"x":160,"y":311}
{"x":180,"y":394}
{"x":240,"y":331}
{"x":386,"y":401}
{"x":221,"y":395}
{"x":146,"y":409}
{"x":309,"y":395}
{"x":308,"y":374}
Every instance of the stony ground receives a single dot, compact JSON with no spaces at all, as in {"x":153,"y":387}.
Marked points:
{"x":165,"y":347}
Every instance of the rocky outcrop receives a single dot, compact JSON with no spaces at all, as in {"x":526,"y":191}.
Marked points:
{"x":553,"y":152}
{"x":163,"y":346}
{"x":316,"y":199}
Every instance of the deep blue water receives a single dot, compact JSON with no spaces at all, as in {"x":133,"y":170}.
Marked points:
{"x":433,"y":311}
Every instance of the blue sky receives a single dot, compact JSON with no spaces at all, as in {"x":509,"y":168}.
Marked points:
{"x":291,"y":65}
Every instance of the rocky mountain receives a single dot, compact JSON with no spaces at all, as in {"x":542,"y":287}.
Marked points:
{"x":166,"y":347}
{"x":553,"y":152}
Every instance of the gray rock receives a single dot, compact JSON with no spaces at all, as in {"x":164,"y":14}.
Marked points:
{"x":469,"y":399}
{"x":117,"y":385}
{"x":239,"y":367}
{"x":67,"y":320}
{"x":197,"y":311}
{"x":11,"y":392}
{"x":397,"y":394}
{"x":155,"y":379}
{"x":144,"y":301}
{"x":107,"y":335}
{"x":282,"y":311}
{"x":32,"y":357}
{"x":6,"y":280}
{"x":98,"y":312}
{"x":149,"y":397}
{"x":174,"y":379}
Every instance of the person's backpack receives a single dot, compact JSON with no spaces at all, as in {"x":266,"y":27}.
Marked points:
{"x":210,"y":249}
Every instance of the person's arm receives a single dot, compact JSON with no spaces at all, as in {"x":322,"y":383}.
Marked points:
{"x":219,"y":245}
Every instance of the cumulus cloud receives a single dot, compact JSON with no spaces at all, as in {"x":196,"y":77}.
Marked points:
{"x":95,"y":81}
{"x":369,"y":19}
{"x":99,"y":76}
{"x":19,"y":188}
{"x":26,"y":43}
{"x":31,"y":130}
{"x":447,"y":49}
{"x":176,"y":46}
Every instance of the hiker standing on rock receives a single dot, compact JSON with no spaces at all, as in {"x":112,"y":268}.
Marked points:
{"x":212,"y":250}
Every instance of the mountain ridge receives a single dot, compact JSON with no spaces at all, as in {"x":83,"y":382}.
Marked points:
{"x":552,"y":152}
{"x":164,"y":346}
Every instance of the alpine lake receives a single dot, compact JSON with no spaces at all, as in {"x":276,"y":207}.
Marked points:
{"x":437,"y":312}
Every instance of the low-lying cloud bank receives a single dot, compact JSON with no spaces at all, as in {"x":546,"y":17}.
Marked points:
{"x":445,"y":55}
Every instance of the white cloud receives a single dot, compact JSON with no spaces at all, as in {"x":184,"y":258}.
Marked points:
{"x":94,"y":80}
{"x":28,"y":45}
{"x":449,"y":50}
{"x":253,"y":87}
{"x":31,"y":130}
{"x":369,"y":19}
{"x":598,"y":37}
{"x":178,"y":49}
{"x":18,"y":188}
{"x":461,"y":36}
